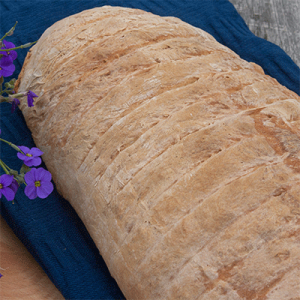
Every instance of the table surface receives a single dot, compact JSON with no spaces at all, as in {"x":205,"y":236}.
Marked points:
{"x":277,"y":21}
{"x":23,"y":278}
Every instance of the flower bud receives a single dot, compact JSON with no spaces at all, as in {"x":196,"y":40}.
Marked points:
{"x":20,"y":178}
{"x":11,"y":31}
{"x":10,"y":84}
{"x":27,"y":45}
{"x":24,"y":169}
{"x":13,"y":172}
{"x":13,"y":81}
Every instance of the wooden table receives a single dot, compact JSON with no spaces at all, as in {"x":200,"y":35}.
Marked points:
{"x":23,"y":278}
{"x":277,"y":21}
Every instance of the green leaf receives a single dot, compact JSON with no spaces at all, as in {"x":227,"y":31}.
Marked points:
{"x":24,"y":169}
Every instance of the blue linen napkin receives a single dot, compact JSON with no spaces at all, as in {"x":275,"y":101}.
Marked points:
{"x":50,"y":228}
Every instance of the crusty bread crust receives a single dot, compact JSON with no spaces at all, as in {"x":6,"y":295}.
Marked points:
{"x":182,"y":159}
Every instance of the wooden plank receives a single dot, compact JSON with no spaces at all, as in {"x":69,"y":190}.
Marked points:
{"x":23,"y":278}
{"x":277,"y":21}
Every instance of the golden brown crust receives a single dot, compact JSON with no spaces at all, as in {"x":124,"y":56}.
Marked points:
{"x":17,"y":83}
{"x":181,"y":158}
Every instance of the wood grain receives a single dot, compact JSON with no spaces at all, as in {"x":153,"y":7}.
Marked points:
{"x":277,"y":21}
{"x":23,"y":278}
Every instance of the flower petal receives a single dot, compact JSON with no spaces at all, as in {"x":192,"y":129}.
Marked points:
{"x":7,"y":71}
{"x":35,"y":161}
{"x":30,"y":101}
{"x":8,"y":193}
{"x":13,"y":54}
{"x":14,"y":185}
{"x":14,"y":104}
{"x":6,"y":61}
{"x":8,"y":45}
{"x":44,"y":175}
{"x":36,"y":151}
{"x":29,"y":161}
{"x":45,"y":190}
{"x":30,"y":176}
{"x":17,"y":101}
{"x":32,"y":94}
{"x":21,"y":156}
{"x":24,"y":149}
{"x":30,"y":191}
{"x":6,"y":180}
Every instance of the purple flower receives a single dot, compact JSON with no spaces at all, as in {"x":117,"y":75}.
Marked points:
{"x":38,"y":183}
{"x":12,"y":54}
{"x":30,"y":96}
{"x":6,"y":66}
{"x":30,"y":156}
{"x":8,"y":187}
{"x":14,"y":104}
{"x":1,"y":275}
{"x":14,"y":185}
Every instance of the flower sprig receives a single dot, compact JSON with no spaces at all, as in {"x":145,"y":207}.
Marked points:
{"x":7,"y":68}
{"x":37,"y":180}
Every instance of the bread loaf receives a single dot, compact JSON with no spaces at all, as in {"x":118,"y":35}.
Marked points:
{"x":182,"y":159}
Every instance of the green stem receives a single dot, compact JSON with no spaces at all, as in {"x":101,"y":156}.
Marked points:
{"x":9,"y":169}
{"x":4,"y":91}
{"x":19,"y":47}
{"x":10,"y":96}
{"x":4,"y":99}
{"x":18,"y":95}
{"x":7,"y":33}
{"x":12,"y":145}
{"x":4,"y":166}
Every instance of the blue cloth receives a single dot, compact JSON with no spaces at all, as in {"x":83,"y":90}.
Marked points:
{"x":50,"y":228}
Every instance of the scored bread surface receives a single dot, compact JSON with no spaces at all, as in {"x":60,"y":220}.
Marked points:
{"x":182,"y":159}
